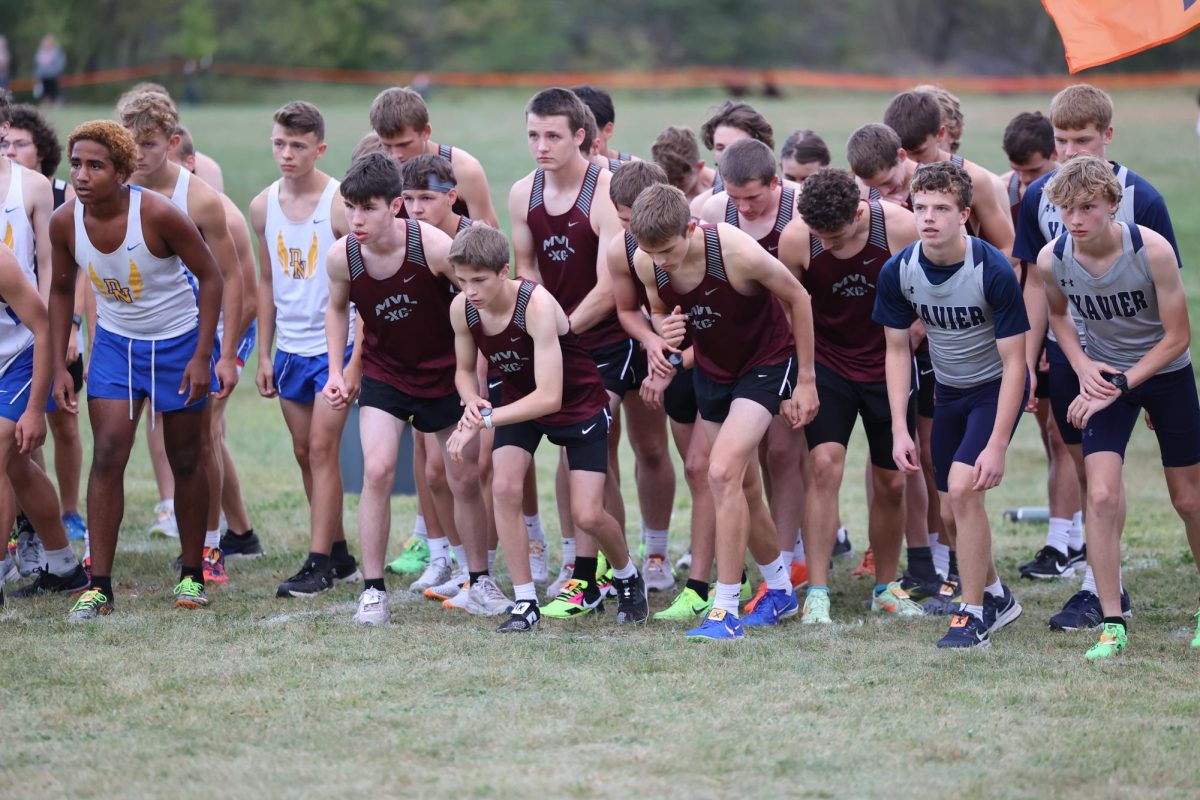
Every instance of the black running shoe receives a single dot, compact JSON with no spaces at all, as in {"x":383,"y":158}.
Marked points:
{"x":523,"y":618}
{"x":245,"y":545}
{"x":631,"y":599}
{"x":346,"y":571}
{"x":966,"y":632}
{"x":920,"y":589}
{"x":842,"y":547}
{"x":1048,"y":563}
{"x":1083,"y":611}
{"x":1077,"y":556}
{"x":309,"y":581}
{"x":47,"y":582}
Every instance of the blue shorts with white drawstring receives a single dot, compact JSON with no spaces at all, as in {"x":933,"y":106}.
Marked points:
{"x":14,"y":386}
{"x":140,"y":369}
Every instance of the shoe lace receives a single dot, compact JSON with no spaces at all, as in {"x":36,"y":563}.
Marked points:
{"x":570,"y":589}
{"x":188,"y":587}
{"x":491,"y":591}
{"x":412,"y":545}
{"x":89,"y":599}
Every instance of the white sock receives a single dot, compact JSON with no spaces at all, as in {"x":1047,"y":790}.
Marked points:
{"x":843,"y":534}
{"x":1089,"y":582}
{"x":996,"y":590}
{"x":491,"y":560}
{"x":460,"y":555}
{"x":61,"y":562}
{"x":439,"y":548}
{"x":941,"y":554}
{"x":419,"y":529}
{"x":974,"y":611}
{"x":798,"y":550}
{"x":787,"y":559}
{"x":222,"y":522}
{"x":776,"y":575}
{"x":1059,"y":534}
{"x":212,"y":538}
{"x":533,"y":526}
{"x":524,"y":591}
{"x":568,"y":551}
{"x":169,"y":505}
{"x":726,"y":597}
{"x":87,"y":546}
{"x":1076,"y":541}
{"x":625,"y":572}
{"x":656,"y":542}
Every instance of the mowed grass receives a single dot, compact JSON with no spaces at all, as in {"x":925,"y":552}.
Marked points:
{"x":265,"y":697}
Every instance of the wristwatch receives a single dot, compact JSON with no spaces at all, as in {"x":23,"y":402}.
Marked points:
{"x":486,"y":413}
{"x":1118,"y":380}
{"x":676,"y":361}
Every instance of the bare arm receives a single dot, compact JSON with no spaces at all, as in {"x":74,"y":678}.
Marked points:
{"x":473,"y":188}
{"x":1172,"y":309}
{"x":713,"y":208}
{"x":1035,"y":308}
{"x":25,"y":301}
{"x":632,"y":317}
{"x":265,"y":376}
{"x":524,"y":257}
{"x":208,"y":213}
{"x":898,"y":373}
{"x":989,"y":466}
{"x":39,"y":205}
{"x":598,"y":304}
{"x":995,"y":221}
{"x":245,"y":256}
{"x":337,"y":323}
{"x":541,"y":321}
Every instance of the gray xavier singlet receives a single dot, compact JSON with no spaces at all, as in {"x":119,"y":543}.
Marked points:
{"x":958,"y":320}
{"x":1119,"y":309}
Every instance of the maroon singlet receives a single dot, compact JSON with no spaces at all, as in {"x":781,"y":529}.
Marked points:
{"x":566,"y":249}
{"x":875,"y":194}
{"x":408,"y":342}
{"x":787,"y":207}
{"x":511,"y":352}
{"x":460,"y":205}
{"x":843,"y":297}
{"x":732,"y":333}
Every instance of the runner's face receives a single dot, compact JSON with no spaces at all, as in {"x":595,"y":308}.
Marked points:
{"x":890,"y":183}
{"x":151,"y":150}
{"x":927,"y":152}
{"x":481,"y":286}
{"x":724,"y":136}
{"x":623,"y":214}
{"x":668,"y":255}
{"x":371,"y":218}
{"x":295,"y":153}
{"x":406,"y":144}
{"x":1088,"y":218}
{"x":1090,"y":141}
{"x":835,"y":240}
{"x":1033,"y":168}
{"x":796,"y":171}
{"x":428,"y":205}
{"x":18,"y":145}
{"x":551,"y":142}
{"x":755,"y":199}
{"x":93,"y":174}
{"x":939,"y":220}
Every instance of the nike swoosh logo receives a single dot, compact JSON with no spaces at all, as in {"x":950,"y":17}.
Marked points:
{"x":494,"y":385}
{"x":869,"y":261}
{"x":409,"y":278}
{"x":515,"y":339}
{"x":602,"y":366}
{"x":762,"y":376}
{"x":588,"y":429}
{"x":11,"y":210}
{"x":710,"y":291}
{"x":319,"y":221}
{"x":925,"y":371}
{"x":134,"y":246}
{"x":572,"y":224}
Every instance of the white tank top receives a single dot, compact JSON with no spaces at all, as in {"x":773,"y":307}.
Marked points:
{"x":139,"y":295}
{"x":14,"y":338}
{"x":298,"y":277}
{"x":18,"y":231}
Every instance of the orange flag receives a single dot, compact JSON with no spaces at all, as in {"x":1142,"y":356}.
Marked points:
{"x":1095,"y":32}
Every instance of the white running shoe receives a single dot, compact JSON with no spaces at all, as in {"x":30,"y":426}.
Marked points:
{"x":372,"y":608}
{"x":564,"y":575}
{"x":449,"y":588}
{"x":438,"y":572}
{"x":164,"y":523}
{"x":684,"y":564}
{"x":537,"y":561}
{"x":656,"y":572}
{"x":31,"y":556}
{"x":461,"y":601}
{"x":486,"y":599}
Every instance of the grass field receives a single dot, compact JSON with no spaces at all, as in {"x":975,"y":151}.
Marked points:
{"x":269,"y":698}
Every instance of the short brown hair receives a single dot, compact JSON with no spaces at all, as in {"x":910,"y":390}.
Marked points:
{"x":747,"y":160}
{"x":1079,"y":106}
{"x":367,"y":144}
{"x":943,"y":176}
{"x":480,"y":247}
{"x":559,"y":102}
{"x":632,"y":179}
{"x":1083,"y":178}
{"x":590,"y":132}
{"x":676,"y":150}
{"x":1028,"y":133}
{"x":804,"y":147}
{"x":417,"y":173}
{"x":659,"y":213}
{"x":187,"y":147}
{"x":872,"y":149}
{"x":736,"y":114}
{"x":829,"y":200}
{"x":148,"y":113}
{"x":952,"y":116}
{"x":112,"y":136}
{"x":914,"y":116}
{"x":398,"y":109}
{"x":301,"y":117}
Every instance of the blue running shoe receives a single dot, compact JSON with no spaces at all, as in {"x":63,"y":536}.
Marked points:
{"x":1083,"y":611}
{"x":966,"y":631}
{"x":772,"y":608}
{"x":718,"y":625}
{"x":76,"y":528}
{"x":998,"y":612}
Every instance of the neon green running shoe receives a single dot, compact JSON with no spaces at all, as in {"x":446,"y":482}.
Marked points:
{"x":1196,"y":640}
{"x":91,"y":604}
{"x":894,"y":600}
{"x":573,"y":601}
{"x":190,"y":594}
{"x":687,"y":605}
{"x":746,"y":593}
{"x":1113,"y":639}
{"x":414,"y":558}
{"x":816,"y":609}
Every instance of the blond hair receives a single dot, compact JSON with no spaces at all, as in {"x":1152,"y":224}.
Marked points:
{"x":1081,"y":105}
{"x":149,"y":112}
{"x":1083,"y":178}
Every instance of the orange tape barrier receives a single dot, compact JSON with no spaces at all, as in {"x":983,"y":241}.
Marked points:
{"x":684,"y":78}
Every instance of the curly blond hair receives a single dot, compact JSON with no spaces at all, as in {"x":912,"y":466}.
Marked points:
{"x":112,"y":136}
{"x":149,"y":112}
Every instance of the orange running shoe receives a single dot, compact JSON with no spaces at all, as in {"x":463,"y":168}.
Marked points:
{"x":799,"y":574}
{"x":867,"y":567}
{"x":753,"y":601}
{"x":214,"y":566}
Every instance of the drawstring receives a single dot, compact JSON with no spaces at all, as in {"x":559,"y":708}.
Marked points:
{"x":153,"y":383}
{"x":129,"y":373}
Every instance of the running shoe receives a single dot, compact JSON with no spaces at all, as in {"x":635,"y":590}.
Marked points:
{"x":451,"y":587}
{"x":966,"y":631}
{"x":485,"y":598}
{"x":1048,"y":563}
{"x":773,"y":608}
{"x":31,"y":556}
{"x":684,"y":564}
{"x":573,"y":601}
{"x":799,"y":574}
{"x":190,"y":594}
{"x":346,"y":571}
{"x":47,"y":582}
{"x":311,"y":580}
{"x":414,"y":557}
{"x":947,"y":601}
{"x":1113,"y":639}
{"x":894,"y":600}
{"x":523,"y":617}
{"x":372,"y":608}
{"x":744,"y":592}
{"x":631,"y":599}
{"x":76,"y":528}
{"x":604,"y":576}
{"x":538,"y":566}
{"x":687,"y":605}
{"x":1083,"y":611}
{"x":1196,"y":638}
{"x":719,"y":625}
{"x":564,"y":575}
{"x":867,"y":566}
{"x":749,"y":606}
{"x":437,"y":573}
{"x":214,"y":566}
{"x":91,"y":604}
{"x":657,"y":574}
{"x":164,"y":524}
{"x":461,"y":599}
{"x":816,"y":609}
{"x":234,"y":546}
{"x":998,"y":612}
{"x":919,"y":589}
{"x":843,"y":546}
{"x":1077,"y":556}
